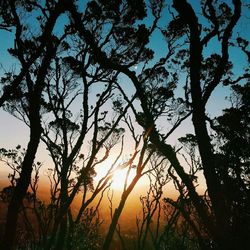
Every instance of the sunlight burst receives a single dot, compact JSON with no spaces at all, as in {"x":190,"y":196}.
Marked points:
{"x":119,"y":178}
{"x":118,"y":175}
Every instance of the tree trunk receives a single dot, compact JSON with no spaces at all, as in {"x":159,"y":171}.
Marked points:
{"x":117,"y":213}
{"x":216,"y":195}
{"x":23,"y":183}
{"x":61,"y":234}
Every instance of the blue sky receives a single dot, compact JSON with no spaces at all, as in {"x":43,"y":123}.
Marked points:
{"x":157,"y":43}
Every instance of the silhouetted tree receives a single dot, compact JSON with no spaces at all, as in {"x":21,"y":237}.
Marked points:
{"x":26,"y":87}
{"x":105,"y":40}
{"x":66,"y":134}
{"x":148,"y":223}
{"x":27,"y":234}
{"x":232,"y":159}
{"x":187,"y":39}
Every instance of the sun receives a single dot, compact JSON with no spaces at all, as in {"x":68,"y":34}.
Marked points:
{"x":118,"y":175}
{"x":119,"y":178}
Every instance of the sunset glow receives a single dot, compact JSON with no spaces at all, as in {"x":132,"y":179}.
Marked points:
{"x":125,"y":124}
{"x":118,"y":174}
{"x":119,"y":178}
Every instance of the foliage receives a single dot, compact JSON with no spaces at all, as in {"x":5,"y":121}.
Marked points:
{"x":89,"y":77}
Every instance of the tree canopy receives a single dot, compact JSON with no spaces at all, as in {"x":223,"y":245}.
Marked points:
{"x":96,"y":79}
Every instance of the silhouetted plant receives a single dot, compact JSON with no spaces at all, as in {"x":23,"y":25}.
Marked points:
{"x":108,"y":39}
